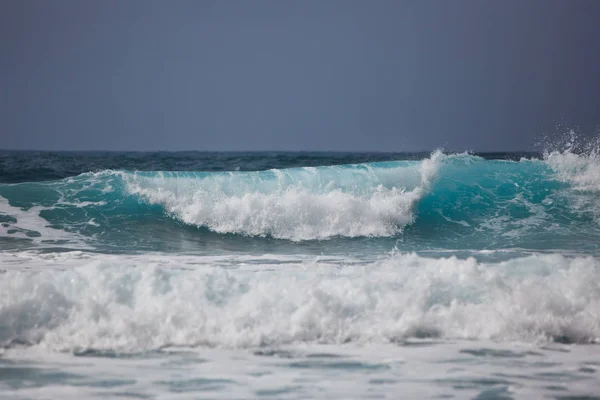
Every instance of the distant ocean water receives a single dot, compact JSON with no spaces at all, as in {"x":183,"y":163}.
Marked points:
{"x":300,"y":275}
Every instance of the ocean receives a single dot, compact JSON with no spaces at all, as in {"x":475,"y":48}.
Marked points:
{"x":193,"y":275}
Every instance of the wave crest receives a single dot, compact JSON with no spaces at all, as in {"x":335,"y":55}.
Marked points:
{"x":299,"y":204}
{"x":576,"y":161}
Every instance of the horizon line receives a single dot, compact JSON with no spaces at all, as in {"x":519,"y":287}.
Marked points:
{"x":266,"y":151}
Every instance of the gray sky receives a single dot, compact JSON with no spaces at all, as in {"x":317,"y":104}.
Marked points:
{"x":296,"y":75}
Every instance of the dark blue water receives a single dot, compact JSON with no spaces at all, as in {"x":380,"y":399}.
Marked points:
{"x":33,"y":166}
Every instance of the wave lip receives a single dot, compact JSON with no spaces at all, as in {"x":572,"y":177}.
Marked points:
{"x":296,"y":204}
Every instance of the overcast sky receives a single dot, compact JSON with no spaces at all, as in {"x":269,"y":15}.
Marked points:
{"x":296,"y":75}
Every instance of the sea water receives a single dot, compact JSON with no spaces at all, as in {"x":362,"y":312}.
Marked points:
{"x":300,"y":275}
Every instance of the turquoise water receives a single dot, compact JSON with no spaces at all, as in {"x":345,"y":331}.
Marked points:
{"x":199,"y":275}
{"x":444,"y":202}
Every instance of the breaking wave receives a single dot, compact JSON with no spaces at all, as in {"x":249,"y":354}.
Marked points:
{"x":81,"y":302}
{"x":459,"y":199}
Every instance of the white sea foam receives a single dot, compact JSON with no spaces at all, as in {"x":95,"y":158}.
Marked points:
{"x":582,"y":172}
{"x":80,"y":301}
{"x":308,"y":203}
{"x":27,"y":224}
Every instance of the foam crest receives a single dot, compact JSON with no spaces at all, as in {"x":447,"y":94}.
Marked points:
{"x":139,"y":303}
{"x":578,"y":164}
{"x":296,"y":204}
{"x":17,"y":223}
{"x":580,"y":170}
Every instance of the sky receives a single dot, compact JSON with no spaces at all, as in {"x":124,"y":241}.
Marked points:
{"x":304,"y":75}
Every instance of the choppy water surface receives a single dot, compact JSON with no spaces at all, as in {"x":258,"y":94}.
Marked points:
{"x":282,"y":275}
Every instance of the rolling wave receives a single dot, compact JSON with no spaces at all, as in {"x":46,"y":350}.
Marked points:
{"x":458,"y":199}
{"x":296,"y":204}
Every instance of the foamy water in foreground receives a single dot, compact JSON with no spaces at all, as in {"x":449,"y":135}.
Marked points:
{"x":414,"y":369}
{"x":161,"y":326}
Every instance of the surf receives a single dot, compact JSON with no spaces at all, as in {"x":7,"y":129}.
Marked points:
{"x":453,"y":201}
{"x":80,"y":302}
